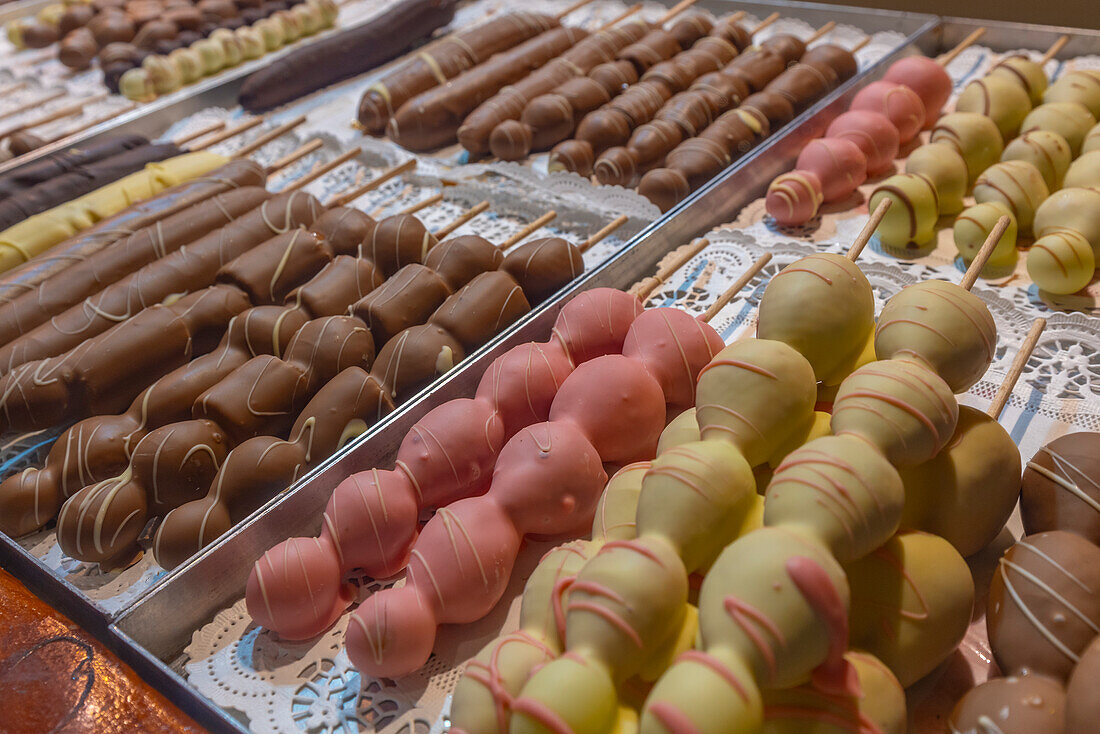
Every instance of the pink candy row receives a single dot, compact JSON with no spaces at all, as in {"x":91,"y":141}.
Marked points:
{"x":862,"y":142}
{"x":524,"y":457}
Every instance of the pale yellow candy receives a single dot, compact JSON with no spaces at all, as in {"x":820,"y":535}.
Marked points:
{"x":913,"y":215}
{"x":945,"y":168}
{"x":1078,"y":86}
{"x":188,"y":64}
{"x":1046,"y":150}
{"x":941,"y":325}
{"x":1061,"y":263}
{"x":618,"y":505}
{"x":577,"y":691}
{"x":1018,"y":185}
{"x":163,"y":74}
{"x":137,"y":85}
{"x":1075,"y":210}
{"x":816,"y":427}
{"x":663,"y":657}
{"x":1085,"y":171}
{"x":975,"y":137}
{"x":1092,"y":140}
{"x":1070,"y":120}
{"x":1025,"y":72}
{"x":911,"y":603}
{"x":697,"y":689}
{"x":251,"y":42}
{"x":805,"y":710}
{"x":755,"y":394}
{"x":826,"y":394}
{"x":754,"y":573}
{"x":822,"y":306}
{"x":900,"y":406}
{"x":842,"y":491}
{"x":682,"y":429}
{"x":999,"y":98}
{"x":693,"y":496}
{"x":976,"y":223}
{"x":966,"y":493}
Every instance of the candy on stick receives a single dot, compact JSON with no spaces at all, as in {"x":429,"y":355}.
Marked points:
{"x":927,"y":77}
{"x":999,"y":98}
{"x":915,"y":211}
{"x":967,"y":492}
{"x":268,"y":136}
{"x":1080,"y":86}
{"x":1018,"y":185}
{"x":209,"y":128}
{"x":1017,"y":704}
{"x":974,"y":225}
{"x":945,"y":169}
{"x":1070,"y":120}
{"x":310,"y":146}
{"x":19,"y":109}
{"x":1067,"y":225}
{"x":1046,"y":150}
{"x":1085,"y":171}
{"x":228,"y":132}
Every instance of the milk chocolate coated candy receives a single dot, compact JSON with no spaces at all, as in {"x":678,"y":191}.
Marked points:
{"x":1061,"y":487}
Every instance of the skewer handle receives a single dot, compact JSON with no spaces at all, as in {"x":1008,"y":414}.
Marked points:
{"x":859,"y":46}
{"x":1000,"y":400}
{"x":574,"y":7}
{"x":736,"y":287}
{"x":294,"y":156}
{"x":868,"y":230}
{"x":196,"y":134}
{"x":228,"y":133}
{"x":676,"y":10}
{"x":321,"y":170}
{"x":982,"y":257}
{"x":269,"y":136}
{"x":632,"y":10}
{"x":644,"y":288}
{"x":604,"y":232}
{"x":353,"y":194}
{"x":462,"y":219}
{"x":765,"y":23}
{"x":421,"y":205}
{"x":1054,"y":49}
{"x":538,"y":223}
{"x":820,"y":32}
{"x":966,"y":43}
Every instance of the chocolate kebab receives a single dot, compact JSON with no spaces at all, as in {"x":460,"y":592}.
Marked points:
{"x":476,"y":310}
{"x":66,"y":161}
{"x":667,"y":61}
{"x":596,"y":58}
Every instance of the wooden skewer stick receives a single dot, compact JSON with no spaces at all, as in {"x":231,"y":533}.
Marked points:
{"x":1054,"y":49}
{"x":948,"y":57}
{"x":270,"y":135}
{"x":94,"y":121}
{"x":13,"y":88}
{"x":195,"y":135}
{"x":64,"y":111}
{"x":869,"y":229}
{"x":522,"y":234}
{"x":1004,"y":392}
{"x":633,"y":9}
{"x":737,"y":286}
{"x":860,"y":45}
{"x":574,"y":7}
{"x":31,"y":105}
{"x":982,"y":257}
{"x":462,"y":219}
{"x":604,"y":232}
{"x":422,"y":205}
{"x":294,"y":156}
{"x":321,"y":170}
{"x":820,"y":32}
{"x":228,"y":133}
{"x":351,"y":195}
{"x":765,"y":23}
{"x":674,"y":11}
{"x":645,"y":287}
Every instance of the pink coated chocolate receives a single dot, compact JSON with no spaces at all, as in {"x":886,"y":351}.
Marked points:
{"x":595,"y":323}
{"x":523,"y":381}
{"x":450,"y":452}
{"x":458,"y":572}
{"x":296,"y":588}
{"x":616,"y":404}
{"x":839,"y":164}
{"x":793,"y":198}
{"x":927,"y":78}
{"x":875,"y":135}
{"x":371,"y":521}
{"x":900,"y":104}
{"x":673,"y":347}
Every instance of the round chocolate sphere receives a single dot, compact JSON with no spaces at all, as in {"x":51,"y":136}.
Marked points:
{"x":1061,"y":487}
{"x":774,"y":106}
{"x":803,"y":85}
{"x":839,"y":59}
{"x":650,"y":143}
{"x":614,"y":76}
{"x":665,"y":187}
{"x":1014,"y":705}
{"x":74,"y":17}
{"x":573,"y":155}
{"x":511,"y":140}
{"x":77,"y":49}
{"x":111,"y":27}
{"x":786,"y":45}
{"x":616,"y":166}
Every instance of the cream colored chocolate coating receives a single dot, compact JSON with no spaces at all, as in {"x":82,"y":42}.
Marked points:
{"x":682,"y":429}
{"x":1070,"y":120}
{"x":1076,"y":210}
{"x":911,"y":603}
{"x":945,"y":168}
{"x":1025,"y":72}
{"x":974,"y":136}
{"x":975,"y":224}
{"x":832,"y":336}
{"x":1046,"y":150}
{"x":1018,"y":185}
{"x":913,"y":215}
{"x":1000,"y":99}
{"x":1085,"y":171}
{"x":903,"y":408}
{"x":1062,"y":262}
{"x":755,"y":393}
{"x":1080,"y":86}
{"x":944,"y":327}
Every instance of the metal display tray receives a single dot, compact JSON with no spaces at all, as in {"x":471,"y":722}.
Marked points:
{"x":155,"y":629}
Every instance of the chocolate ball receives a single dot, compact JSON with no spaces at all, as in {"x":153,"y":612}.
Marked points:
{"x":774,"y":107}
{"x":690,"y":110}
{"x":699,"y":160}
{"x":23,"y":142}
{"x":616,"y":167}
{"x":111,"y":27}
{"x":731,"y":132}
{"x":1061,"y":487}
{"x":548,"y":119}
{"x":614,"y":76}
{"x":729,"y":30}
{"x":114,"y":53}
{"x":112,"y":73}
{"x":1015,"y":705}
{"x":584,"y":95}
{"x":1043,"y":607}
{"x":802,"y":85}
{"x":75,"y":16}
{"x":699,"y":61}
{"x":38,"y":35}
{"x":604,"y":129}
{"x":101,"y":5}
{"x":640,"y":103}
{"x":670,"y":73}
{"x":654,"y":48}
{"x":189,"y":19}
{"x":840,"y":60}
{"x":145,"y":11}
{"x":77,"y":49}
{"x":786,"y":45}
{"x":157,"y":30}
{"x":572,"y":155}
{"x":511,"y":140}
{"x":216,"y":10}
{"x":665,"y":187}
{"x":723,"y":91}
{"x":1082,"y":703}
{"x":690,"y":28}
{"x":756,"y":68}
{"x":188,"y":37}
{"x":650,"y":143}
